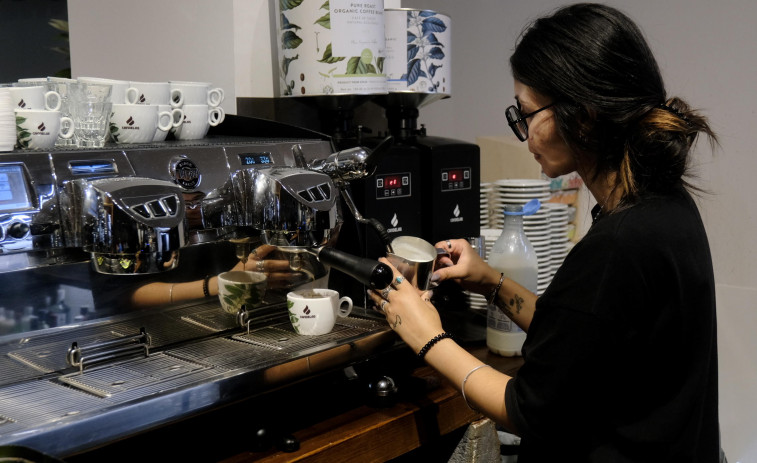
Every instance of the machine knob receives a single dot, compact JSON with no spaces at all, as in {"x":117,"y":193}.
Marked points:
{"x":18,"y":230}
{"x":384,"y":391}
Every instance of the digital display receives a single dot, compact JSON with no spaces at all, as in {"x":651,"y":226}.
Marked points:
{"x":392,"y":182}
{"x":457,"y":178}
{"x":255,"y":159}
{"x":455,"y":175}
{"x":394,"y":185}
{"x":13,"y":192}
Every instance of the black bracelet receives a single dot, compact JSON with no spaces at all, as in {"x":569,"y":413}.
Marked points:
{"x":424,"y":350}
{"x":205,"y":289}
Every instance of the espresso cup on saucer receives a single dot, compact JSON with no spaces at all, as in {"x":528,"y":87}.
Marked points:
{"x":315,"y":311}
{"x":157,"y":93}
{"x":35,"y":97}
{"x":136,"y":123}
{"x":40,"y":129}
{"x":198,"y":118}
{"x":199,"y":92}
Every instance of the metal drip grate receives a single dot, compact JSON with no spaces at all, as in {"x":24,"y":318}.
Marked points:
{"x":32,"y":403}
{"x":230,"y":355}
{"x":139,"y":374}
{"x":282,"y":336}
{"x":51,"y":357}
{"x":213,"y":319}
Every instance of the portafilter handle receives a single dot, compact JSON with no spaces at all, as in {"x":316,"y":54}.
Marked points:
{"x":371,"y":273}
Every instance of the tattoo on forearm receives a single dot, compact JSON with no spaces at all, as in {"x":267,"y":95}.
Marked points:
{"x":516,"y":302}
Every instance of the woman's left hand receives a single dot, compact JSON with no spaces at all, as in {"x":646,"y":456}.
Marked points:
{"x":408,"y":311}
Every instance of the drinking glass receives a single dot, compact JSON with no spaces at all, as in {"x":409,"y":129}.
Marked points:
{"x":90,"y":122}
{"x":90,"y":92}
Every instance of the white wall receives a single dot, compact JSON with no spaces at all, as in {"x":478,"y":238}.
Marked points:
{"x":226,"y":42}
{"x":706,"y":50}
{"x":708,"y":56}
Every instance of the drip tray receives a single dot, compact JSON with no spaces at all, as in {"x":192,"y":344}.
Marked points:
{"x":282,"y":337}
{"x":142,"y":376}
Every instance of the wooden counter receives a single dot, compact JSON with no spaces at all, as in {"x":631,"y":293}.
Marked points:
{"x":380,"y":434}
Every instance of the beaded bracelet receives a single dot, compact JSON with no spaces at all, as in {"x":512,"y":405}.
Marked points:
{"x":424,"y":350}
{"x":205,"y":290}
{"x":493,"y":296}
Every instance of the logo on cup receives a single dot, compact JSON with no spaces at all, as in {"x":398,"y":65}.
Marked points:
{"x":41,"y":127}
{"x":22,"y":104}
{"x":130,"y":120}
{"x":306,"y":310}
{"x":141,"y":98}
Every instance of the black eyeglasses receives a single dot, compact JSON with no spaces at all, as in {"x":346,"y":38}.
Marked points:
{"x":517,"y":120}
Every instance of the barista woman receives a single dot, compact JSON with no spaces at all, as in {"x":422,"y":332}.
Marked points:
{"x":620,"y":360}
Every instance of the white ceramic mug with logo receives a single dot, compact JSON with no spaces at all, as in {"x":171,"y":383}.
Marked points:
{"x":199,"y":92}
{"x":122,"y":92}
{"x":35,"y":97}
{"x":134,"y":123}
{"x":198,"y":118}
{"x":40,"y":128}
{"x":315,"y":311}
{"x":157,"y":93}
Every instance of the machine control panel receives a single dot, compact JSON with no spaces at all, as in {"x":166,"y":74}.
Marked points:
{"x":393,"y":185}
{"x":457,"y":178}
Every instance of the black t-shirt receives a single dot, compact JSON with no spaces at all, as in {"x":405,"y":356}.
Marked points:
{"x":620,"y":361}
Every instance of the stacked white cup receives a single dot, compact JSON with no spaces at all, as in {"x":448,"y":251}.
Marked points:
{"x":7,"y":121}
{"x":201,"y":106}
{"x":39,"y":122}
{"x":167,"y":102}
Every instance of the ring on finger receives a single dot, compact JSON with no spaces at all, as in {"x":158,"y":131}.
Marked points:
{"x":254,"y":252}
{"x":381,"y":307}
{"x":399,"y":279}
{"x":449,"y":244}
{"x":261,"y":265}
{"x":385,"y":292}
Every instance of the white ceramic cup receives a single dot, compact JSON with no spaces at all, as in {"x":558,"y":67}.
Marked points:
{"x":240,"y":288}
{"x":177,"y":116}
{"x":35,"y":97}
{"x":199,"y":92}
{"x":197,"y":121}
{"x":130,"y":123}
{"x":315,"y":311}
{"x":157,"y":93}
{"x":40,"y":128}
{"x":122,"y":92}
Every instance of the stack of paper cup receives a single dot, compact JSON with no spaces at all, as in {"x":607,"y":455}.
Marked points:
{"x":7,"y":121}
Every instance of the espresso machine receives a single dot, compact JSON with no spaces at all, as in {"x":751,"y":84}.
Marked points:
{"x":86,"y":365}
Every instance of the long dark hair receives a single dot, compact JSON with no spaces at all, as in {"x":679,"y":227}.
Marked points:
{"x":611,"y":104}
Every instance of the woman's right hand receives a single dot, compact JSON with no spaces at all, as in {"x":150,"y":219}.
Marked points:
{"x":465,"y":266}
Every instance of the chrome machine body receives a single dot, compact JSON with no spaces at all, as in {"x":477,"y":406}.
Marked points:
{"x":83,"y":363}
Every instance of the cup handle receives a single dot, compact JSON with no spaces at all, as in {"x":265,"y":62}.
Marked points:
{"x":66,"y":128}
{"x":343,"y":312}
{"x":178,"y":117}
{"x":52,"y":94}
{"x":216,"y":116}
{"x":177,"y":98}
{"x":166,"y":116}
{"x":131,"y":95}
{"x":215,"y":97}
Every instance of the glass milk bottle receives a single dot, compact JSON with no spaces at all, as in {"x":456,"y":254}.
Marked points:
{"x":513,"y":255}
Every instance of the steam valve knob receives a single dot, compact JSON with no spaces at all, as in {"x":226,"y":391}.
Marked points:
{"x":18,"y":230}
